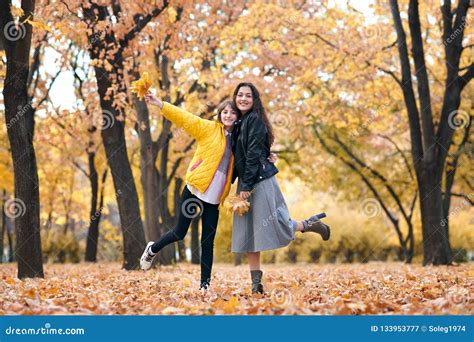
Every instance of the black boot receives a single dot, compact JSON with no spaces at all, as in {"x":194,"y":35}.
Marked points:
{"x":257,"y":286}
{"x":313,"y":224}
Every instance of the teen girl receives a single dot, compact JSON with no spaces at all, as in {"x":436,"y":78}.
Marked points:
{"x":267,"y":225}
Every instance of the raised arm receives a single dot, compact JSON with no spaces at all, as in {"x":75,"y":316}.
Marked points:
{"x":190,"y":123}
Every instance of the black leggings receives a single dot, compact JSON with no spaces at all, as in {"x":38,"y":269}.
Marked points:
{"x":189,"y":208}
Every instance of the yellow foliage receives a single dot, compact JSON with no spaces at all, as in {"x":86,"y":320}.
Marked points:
{"x":172,"y":14}
{"x":141,"y":86}
{"x":16,"y":11}
{"x":235,"y":204}
{"x":39,"y":25}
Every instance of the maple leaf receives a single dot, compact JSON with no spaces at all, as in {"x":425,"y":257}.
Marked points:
{"x":235,"y":204}
{"x":38,"y":25}
{"x":141,"y":86}
{"x":17,"y":11}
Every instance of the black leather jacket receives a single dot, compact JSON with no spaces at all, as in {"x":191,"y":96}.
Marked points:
{"x":251,"y":151}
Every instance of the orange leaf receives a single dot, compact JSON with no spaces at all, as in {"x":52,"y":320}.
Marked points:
{"x":141,"y":86}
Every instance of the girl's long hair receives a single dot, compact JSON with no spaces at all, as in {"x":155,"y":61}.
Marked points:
{"x":257,"y":107}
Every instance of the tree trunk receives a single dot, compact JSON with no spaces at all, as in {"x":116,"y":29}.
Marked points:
{"x":177,"y":201}
{"x":152,"y":193}
{"x":95,"y":212}
{"x":111,"y":82}
{"x":168,"y":254}
{"x":449,"y":177}
{"x":19,"y":116}
{"x":436,"y":248}
{"x":148,"y":177}
{"x":115,"y":145}
{"x":2,"y":224}
{"x":238,"y":257}
{"x":93,"y":231}
{"x":9,"y":228}
{"x":124,"y":185}
{"x":411,"y":244}
{"x":429,"y":147}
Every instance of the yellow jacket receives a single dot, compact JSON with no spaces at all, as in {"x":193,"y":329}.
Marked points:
{"x":211,"y":144}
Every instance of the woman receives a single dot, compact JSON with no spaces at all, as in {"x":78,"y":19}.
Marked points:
{"x":267,"y":225}
{"x":208,"y":179}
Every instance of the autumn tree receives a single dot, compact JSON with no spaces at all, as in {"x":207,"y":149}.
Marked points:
{"x":19,"y":113}
{"x":91,"y":146}
{"x":109,"y":55}
{"x":430,"y":140}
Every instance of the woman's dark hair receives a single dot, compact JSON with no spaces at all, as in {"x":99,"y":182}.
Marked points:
{"x":257,"y":107}
{"x":224,"y":104}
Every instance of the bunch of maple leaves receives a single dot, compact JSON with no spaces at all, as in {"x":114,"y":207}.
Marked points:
{"x":375,"y":288}
{"x":234,"y":203}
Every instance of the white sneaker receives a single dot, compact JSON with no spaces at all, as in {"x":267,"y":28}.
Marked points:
{"x":147,"y":257}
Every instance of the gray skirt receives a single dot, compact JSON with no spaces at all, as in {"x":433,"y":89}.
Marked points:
{"x":267,"y":225}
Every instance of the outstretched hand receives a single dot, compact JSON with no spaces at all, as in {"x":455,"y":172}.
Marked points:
{"x":153,"y":99}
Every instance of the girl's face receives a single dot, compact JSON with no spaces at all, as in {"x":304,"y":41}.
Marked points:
{"x":228,"y":117}
{"x":244,"y":99}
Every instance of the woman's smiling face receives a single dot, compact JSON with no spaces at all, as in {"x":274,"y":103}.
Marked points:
{"x":244,"y":99}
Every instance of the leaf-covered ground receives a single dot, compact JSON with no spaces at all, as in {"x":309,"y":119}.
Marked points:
{"x":375,"y":288}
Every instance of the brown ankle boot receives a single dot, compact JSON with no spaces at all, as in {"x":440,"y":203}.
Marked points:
{"x":314,"y":225}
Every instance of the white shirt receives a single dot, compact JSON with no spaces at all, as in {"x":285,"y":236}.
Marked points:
{"x":214,"y":192}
